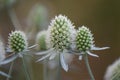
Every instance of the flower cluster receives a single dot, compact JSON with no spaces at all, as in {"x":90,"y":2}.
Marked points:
{"x":61,"y":41}
{"x":62,"y":38}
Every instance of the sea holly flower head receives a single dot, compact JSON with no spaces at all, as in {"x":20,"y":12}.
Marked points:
{"x":17,"y":46}
{"x":17,"y":41}
{"x":58,"y":39}
{"x":84,"y":39}
{"x":85,"y":42}
{"x":60,"y":31}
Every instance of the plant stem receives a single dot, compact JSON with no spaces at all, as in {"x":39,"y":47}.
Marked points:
{"x":59,"y":68}
{"x":88,"y":67}
{"x":10,"y":70}
{"x":25,"y":69}
{"x":45,"y":70}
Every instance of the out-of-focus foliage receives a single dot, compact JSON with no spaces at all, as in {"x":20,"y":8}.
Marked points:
{"x":6,"y":3}
{"x":37,"y":20}
{"x":38,"y":17}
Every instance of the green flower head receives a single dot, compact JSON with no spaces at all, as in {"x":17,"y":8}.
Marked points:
{"x":17,"y":41}
{"x":84,"y":39}
{"x":59,"y":39}
{"x":41,"y":40}
{"x":84,"y":42}
{"x":60,"y":33}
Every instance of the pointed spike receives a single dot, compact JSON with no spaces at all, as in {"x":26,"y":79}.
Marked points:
{"x":33,"y":46}
{"x":80,"y":57}
{"x":97,"y":48}
{"x":44,"y":57}
{"x":44,"y":52}
{"x":8,"y":50}
{"x":62,"y":60}
{"x":4,"y":74}
{"x":20,"y":55}
{"x":52,"y":56}
{"x":9,"y":59}
{"x":91,"y":54}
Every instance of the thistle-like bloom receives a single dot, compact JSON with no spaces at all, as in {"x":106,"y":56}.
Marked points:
{"x":17,"y":45}
{"x":59,"y":38}
{"x":113,"y":71}
{"x":17,"y":42}
{"x":85,"y":43}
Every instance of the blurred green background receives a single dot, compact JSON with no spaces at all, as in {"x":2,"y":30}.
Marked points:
{"x":101,"y":16}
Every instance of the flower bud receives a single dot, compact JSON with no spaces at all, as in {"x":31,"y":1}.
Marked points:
{"x":17,"y":41}
{"x":41,"y":40}
{"x":84,"y":39}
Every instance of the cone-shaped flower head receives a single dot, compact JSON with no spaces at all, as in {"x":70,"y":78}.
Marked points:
{"x":85,"y":43}
{"x":59,"y":39}
{"x":60,"y":32}
{"x":41,"y":40}
{"x":84,"y":39}
{"x":17,"y":41}
{"x":113,"y":71}
{"x":17,"y":45}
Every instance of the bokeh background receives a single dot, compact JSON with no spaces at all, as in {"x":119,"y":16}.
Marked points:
{"x":101,"y":16}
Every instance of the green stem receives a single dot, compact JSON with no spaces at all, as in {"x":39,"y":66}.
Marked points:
{"x":25,"y":69}
{"x":10,"y":70}
{"x":88,"y":67}
{"x":59,"y":68}
{"x":45,"y":70}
